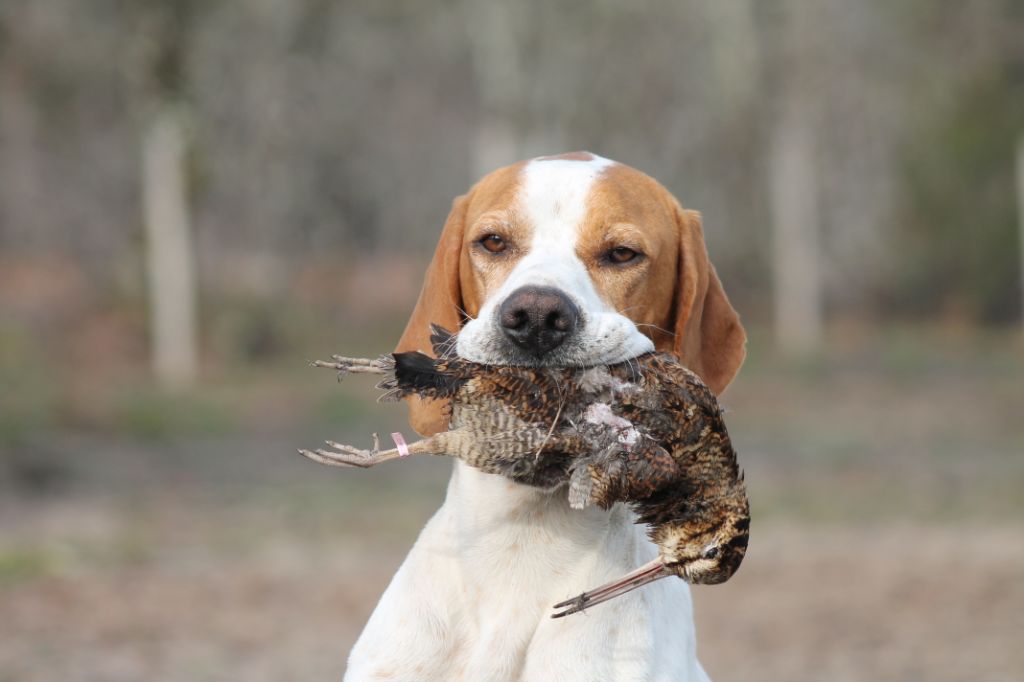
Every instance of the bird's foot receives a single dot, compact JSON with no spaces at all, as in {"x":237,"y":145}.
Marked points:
{"x":569,"y":606}
{"x":345,"y":455}
{"x":346,"y":365}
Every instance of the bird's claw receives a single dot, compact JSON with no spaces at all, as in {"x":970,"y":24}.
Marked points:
{"x":570,"y":606}
{"x":345,"y":455}
{"x":346,"y":365}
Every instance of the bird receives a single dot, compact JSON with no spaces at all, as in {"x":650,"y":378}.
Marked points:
{"x":646,"y":432}
{"x":502,"y":418}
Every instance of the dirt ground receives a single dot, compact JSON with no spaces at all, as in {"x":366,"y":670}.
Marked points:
{"x":902,"y":603}
{"x":168,"y":594}
{"x":887,"y":539}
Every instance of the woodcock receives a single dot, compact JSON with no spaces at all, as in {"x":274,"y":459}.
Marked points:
{"x":647,"y":432}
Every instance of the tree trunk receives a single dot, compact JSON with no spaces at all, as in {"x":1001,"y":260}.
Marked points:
{"x":494,"y":34}
{"x":794,"y":205}
{"x":1020,"y":216}
{"x":170,"y":257}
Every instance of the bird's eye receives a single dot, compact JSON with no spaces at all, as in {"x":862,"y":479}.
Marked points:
{"x":711,"y":552}
{"x":621,"y":254}
{"x":494,"y":243}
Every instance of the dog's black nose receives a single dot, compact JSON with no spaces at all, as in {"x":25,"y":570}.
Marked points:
{"x":538,"y":319}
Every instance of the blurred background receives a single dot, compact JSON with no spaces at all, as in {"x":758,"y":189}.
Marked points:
{"x":199,"y":196}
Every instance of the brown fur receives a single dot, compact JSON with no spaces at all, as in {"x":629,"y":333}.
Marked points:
{"x":674,"y":296}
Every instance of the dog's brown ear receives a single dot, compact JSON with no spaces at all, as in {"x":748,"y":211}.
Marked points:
{"x":440,"y":302}
{"x":709,"y":338}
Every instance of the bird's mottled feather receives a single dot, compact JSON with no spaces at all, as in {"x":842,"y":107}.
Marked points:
{"x":647,"y":432}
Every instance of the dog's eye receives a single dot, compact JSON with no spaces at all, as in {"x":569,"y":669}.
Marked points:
{"x":711,"y":552}
{"x":622,"y":254}
{"x":493,"y":243}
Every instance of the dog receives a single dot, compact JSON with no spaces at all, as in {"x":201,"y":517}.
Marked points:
{"x":563,"y":260}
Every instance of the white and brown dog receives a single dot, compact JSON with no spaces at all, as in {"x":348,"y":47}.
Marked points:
{"x":565,"y":260}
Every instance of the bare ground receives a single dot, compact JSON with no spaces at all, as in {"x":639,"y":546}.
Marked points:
{"x":170,"y":593}
{"x":887,"y":541}
{"x":895,"y":603}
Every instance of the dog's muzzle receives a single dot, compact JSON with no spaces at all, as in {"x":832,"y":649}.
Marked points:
{"x":538,"y":319}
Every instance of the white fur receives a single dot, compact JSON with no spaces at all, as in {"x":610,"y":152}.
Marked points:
{"x":473,"y":599}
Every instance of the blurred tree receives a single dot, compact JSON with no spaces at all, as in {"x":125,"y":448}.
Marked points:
{"x":1020,"y":215}
{"x":170,"y":251}
{"x":323,"y":132}
{"x":959,"y":211}
{"x":497,"y":31}
{"x":19,"y":130}
{"x":793,"y":178}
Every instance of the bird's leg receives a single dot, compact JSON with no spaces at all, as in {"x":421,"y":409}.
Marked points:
{"x":568,"y":444}
{"x":347,"y":456}
{"x":596,"y":478}
{"x":648,"y":469}
{"x":356,"y":365}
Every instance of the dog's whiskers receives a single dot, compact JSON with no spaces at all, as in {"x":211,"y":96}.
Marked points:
{"x":654,"y":326}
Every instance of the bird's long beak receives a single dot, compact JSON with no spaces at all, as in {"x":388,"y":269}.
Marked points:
{"x":648,"y":573}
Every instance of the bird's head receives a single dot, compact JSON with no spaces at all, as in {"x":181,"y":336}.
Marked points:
{"x":704,"y":555}
{"x":699,"y":555}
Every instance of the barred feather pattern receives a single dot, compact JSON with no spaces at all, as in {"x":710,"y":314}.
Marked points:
{"x":647,"y":432}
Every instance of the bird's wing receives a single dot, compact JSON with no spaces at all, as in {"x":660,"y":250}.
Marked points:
{"x":649,"y":468}
{"x":617,"y":475}
{"x":535,"y":396}
{"x":676,"y":378}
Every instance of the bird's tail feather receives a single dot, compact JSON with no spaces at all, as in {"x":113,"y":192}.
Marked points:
{"x":414,"y":373}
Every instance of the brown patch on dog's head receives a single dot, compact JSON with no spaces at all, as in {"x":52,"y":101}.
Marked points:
{"x":671,"y":292}
{"x":453,"y":287}
{"x":628,"y":209}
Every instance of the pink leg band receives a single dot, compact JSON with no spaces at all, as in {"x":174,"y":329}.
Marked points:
{"x":403,"y":449}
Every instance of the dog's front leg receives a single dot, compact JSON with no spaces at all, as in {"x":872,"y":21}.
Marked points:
{"x":409,"y":635}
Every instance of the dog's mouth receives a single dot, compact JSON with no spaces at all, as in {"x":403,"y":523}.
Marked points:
{"x":566,"y":355}
{"x":597,"y":340}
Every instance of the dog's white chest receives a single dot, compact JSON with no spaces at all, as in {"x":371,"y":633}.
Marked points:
{"x":473,"y":599}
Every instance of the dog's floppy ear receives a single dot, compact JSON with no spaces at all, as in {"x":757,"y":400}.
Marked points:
{"x":709,"y":338}
{"x":440,"y":302}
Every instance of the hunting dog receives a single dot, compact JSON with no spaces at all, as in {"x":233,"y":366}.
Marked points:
{"x":563,"y":260}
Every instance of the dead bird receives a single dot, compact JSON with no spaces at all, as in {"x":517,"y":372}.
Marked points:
{"x":698,"y":513}
{"x":503,"y":419}
{"x":647,"y":432}
{"x":538,"y":426}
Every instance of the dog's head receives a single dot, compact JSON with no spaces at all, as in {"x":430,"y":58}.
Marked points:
{"x":574,"y":260}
